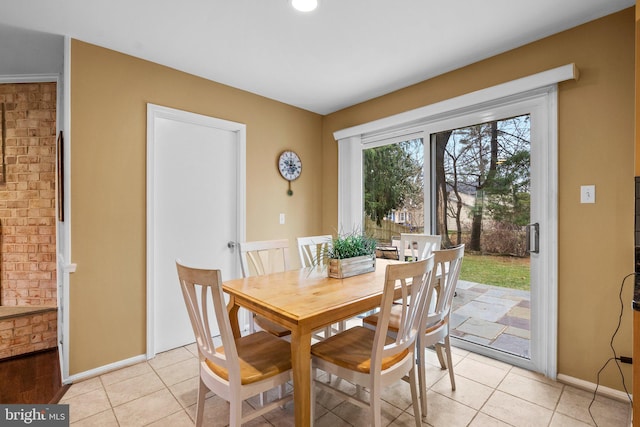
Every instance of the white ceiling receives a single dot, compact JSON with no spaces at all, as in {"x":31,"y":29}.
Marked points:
{"x":346,"y":52}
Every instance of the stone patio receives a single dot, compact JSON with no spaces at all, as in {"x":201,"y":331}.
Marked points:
{"x":492,"y":316}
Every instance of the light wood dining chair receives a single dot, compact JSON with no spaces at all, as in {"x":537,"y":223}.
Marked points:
{"x":240,"y":368}
{"x":313,"y":251}
{"x":259,"y":258}
{"x":415,"y":246}
{"x":371,"y":358}
{"x":436,"y":317}
{"x":418,"y":246}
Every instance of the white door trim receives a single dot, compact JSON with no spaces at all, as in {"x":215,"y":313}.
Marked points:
{"x":30,"y":78}
{"x":63,"y":229}
{"x":479,"y":97}
{"x":63,"y":250}
{"x":159,"y":112}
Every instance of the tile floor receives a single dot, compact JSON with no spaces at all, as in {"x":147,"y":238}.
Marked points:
{"x":162,"y":392}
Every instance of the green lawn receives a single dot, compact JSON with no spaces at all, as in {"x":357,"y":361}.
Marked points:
{"x":507,"y":272}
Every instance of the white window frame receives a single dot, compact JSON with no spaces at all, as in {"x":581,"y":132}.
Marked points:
{"x":538,"y":91}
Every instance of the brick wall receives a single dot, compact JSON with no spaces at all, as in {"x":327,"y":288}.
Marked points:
{"x":28,"y":333}
{"x":27,"y":195}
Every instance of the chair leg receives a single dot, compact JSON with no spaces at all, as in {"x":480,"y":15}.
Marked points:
{"x":235,"y":412}
{"x":375,"y":406}
{"x":438,"y":349}
{"x":447,"y":345}
{"x":252,"y":325}
{"x":314,"y":375}
{"x":414,"y":396}
{"x":422,"y":379}
{"x":202,"y":392}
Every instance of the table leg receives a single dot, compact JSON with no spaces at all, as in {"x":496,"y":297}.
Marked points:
{"x":301,"y":364}
{"x":232,"y":309}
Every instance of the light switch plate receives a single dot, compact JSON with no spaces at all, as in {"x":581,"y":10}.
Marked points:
{"x":588,"y":194}
{"x":281,"y":219}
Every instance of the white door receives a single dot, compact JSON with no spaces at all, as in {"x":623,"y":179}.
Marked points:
{"x":195,"y":195}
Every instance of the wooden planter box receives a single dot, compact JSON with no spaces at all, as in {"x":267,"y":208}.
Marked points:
{"x":341,"y":268}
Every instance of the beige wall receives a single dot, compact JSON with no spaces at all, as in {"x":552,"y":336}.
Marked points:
{"x":596,"y":146}
{"x":109,"y":92}
{"x":596,"y":131}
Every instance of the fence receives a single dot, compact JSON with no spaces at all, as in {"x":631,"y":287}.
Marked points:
{"x":496,"y":238}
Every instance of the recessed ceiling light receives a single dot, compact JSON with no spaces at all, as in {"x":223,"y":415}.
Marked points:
{"x":304,"y":5}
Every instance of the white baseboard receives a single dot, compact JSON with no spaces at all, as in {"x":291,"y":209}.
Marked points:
{"x":104,"y":369}
{"x":588,"y":386}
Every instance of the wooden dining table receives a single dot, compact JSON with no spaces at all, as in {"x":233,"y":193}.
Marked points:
{"x":304,"y":301}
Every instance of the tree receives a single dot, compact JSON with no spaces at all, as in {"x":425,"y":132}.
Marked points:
{"x":472,"y":161}
{"x":509,"y":198}
{"x":392,"y":177}
{"x":447,"y":157}
{"x":484,"y":178}
{"x":509,"y":193}
{"x":491,"y":162}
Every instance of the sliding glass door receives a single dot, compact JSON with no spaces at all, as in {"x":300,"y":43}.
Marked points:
{"x":482,"y":196}
{"x":485,"y":177}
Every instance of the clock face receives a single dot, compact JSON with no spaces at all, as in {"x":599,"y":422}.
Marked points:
{"x":289,"y":165}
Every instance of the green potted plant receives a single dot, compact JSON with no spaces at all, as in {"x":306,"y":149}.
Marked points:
{"x":351,"y":254}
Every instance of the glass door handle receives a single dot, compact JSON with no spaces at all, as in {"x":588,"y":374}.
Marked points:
{"x":533,"y":239}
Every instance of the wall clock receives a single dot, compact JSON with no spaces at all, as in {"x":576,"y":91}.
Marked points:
{"x":290,"y":167}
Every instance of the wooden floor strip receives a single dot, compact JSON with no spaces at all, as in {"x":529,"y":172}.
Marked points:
{"x":31,"y":378}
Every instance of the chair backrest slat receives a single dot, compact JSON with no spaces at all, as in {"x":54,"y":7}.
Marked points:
{"x":312,"y":249}
{"x":448,"y":263}
{"x":415,"y":285}
{"x":209,"y":285}
{"x":263,"y":257}
{"x":418,"y":246}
